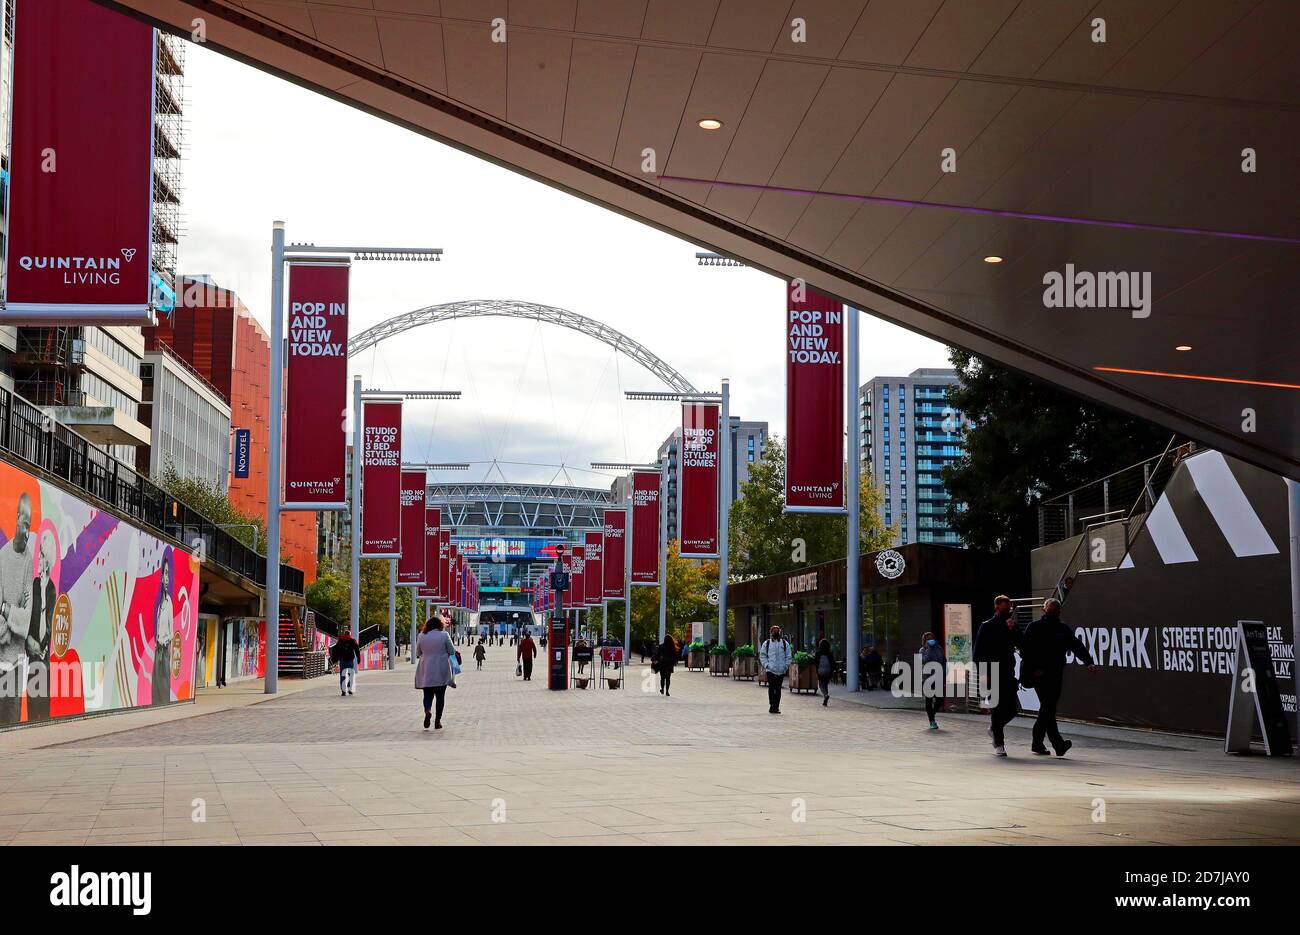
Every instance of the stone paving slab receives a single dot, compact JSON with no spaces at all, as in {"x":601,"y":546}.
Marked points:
{"x":517,"y":764}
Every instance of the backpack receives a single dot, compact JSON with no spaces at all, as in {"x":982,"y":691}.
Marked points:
{"x":823,"y":667}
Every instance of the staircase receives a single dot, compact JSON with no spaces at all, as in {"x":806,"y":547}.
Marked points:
{"x":297,"y":656}
{"x":1106,"y":515}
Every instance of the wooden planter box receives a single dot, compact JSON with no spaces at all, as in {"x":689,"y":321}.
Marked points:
{"x":720,"y":664}
{"x":745,"y":667}
{"x":803,"y":678}
{"x":762,"y":674}
{"x":696,"y":660}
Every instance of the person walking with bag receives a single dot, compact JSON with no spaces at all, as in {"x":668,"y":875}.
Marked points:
{"x":825,"y":668}
{"x":932,"y":676}
{"x":774,"y":655}
{"x":525,"y":652}
{"x":479,"y":654}
{"x":435,"y":658}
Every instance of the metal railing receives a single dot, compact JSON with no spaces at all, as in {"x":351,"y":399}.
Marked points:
{"x":1066,"y":515}
{"x":32,"y":436}
{"x":1124,"y":524}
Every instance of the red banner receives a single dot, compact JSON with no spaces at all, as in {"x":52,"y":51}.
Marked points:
{"x":432,"y":533}
{"x":645,"y":527}
{"x":410,"y":567}
{"x":578,"y":577}
{"x":444,"y":560}
{"x":449,"y":592}
{"x":80,"y":211}
{"x":315,"y":448}
{"x":814,"y":402}
{"x":381,"y":479}
{"x":595,"y":579}
{"x":459,"y":581}
{"x":614,"y":555}
{"x":698,"y":473}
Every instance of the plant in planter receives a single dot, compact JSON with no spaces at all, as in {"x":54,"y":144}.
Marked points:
{"x":695,"y":655}
{"x":803,"y":673}
{"x":744,"y":662}
{"x":719,"y":660}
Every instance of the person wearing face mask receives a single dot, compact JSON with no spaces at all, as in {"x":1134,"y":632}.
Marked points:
{"x":932,"y":676}
{"x":996,"y":643}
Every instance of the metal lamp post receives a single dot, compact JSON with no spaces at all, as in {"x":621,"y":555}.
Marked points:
{"x":724,"y":498}
{"x":662,"y":468}
{"x":274,"y":494}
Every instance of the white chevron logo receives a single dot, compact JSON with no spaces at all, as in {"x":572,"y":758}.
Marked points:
{"x":1228,"y":506}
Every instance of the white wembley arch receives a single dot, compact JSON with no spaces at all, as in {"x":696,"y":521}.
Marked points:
{"x":508,"y":308}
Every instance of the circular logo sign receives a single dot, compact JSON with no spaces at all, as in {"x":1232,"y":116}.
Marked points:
{"x":714,"y":596}
{"x":61,"y":628}
{"x":890,"y":564}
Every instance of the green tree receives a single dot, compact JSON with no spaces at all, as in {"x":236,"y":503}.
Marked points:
{"x":213,"y":503}
{"x":331,"y":594}
{"x":1026,"y":439}
{"x":765,"y":540}
{"x":687,"y":601}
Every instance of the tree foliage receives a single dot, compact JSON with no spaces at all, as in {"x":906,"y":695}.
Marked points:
{"x":1025,"y":440}
{"x":331,"y":594}
{"x":765,"y":540}
{"x":212,"y":502}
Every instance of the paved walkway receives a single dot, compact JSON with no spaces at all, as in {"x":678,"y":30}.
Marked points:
{"x":519,"y":764}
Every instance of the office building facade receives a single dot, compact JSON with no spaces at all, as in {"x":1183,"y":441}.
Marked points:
{"x":188,"y":419}
{"x":907,"y":433}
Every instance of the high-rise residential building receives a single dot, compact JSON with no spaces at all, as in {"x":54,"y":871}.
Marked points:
{"x":188,"y":419}
{"x":214,"y":332}
{"x":907,"y":432}
{"x":88,"y":377}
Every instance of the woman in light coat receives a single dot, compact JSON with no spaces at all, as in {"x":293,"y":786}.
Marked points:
{"x":433,"y":654}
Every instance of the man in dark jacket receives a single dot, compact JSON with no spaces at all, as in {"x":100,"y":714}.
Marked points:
{"x":524,"y":654}
{"x":1042,"y":658}
{"x":347,"y":652}
{"x":996,"y":642}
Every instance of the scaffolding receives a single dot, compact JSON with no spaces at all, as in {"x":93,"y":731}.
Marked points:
{"x":169,"y":135}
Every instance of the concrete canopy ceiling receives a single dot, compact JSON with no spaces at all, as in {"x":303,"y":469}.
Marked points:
{"x":1128,"y":152}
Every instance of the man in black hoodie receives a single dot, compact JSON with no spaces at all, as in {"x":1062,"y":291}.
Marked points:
{"x":996,"y":643}
{"x":1042,"y":656}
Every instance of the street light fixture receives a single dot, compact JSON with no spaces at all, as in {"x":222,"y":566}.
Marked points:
{"x":415,"y":394}
{"x":715,"y":259}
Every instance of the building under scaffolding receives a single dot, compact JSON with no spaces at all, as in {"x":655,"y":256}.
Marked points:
{"x":89,"y":377}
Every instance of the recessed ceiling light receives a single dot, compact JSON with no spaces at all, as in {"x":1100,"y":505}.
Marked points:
{"x":710,"y":123}
{"x":993,"y":259}
{"x":1183,"y":347}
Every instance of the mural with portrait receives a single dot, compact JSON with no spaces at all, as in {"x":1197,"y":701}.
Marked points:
{"x":96,"y":615}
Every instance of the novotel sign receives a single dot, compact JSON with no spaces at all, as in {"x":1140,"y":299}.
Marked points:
{"x":800,"y":584}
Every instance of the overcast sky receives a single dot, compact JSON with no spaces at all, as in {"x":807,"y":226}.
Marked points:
{"x":261,"y":149}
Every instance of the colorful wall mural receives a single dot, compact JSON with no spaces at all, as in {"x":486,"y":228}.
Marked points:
{"x":246,"y":652}
{"x":95,"y":614}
